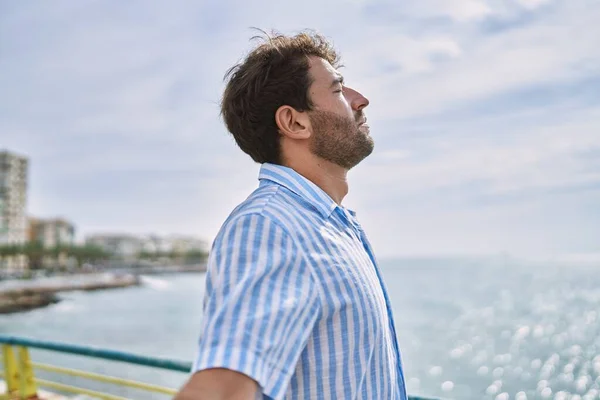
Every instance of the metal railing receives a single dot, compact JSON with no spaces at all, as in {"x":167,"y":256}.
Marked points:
{"x":21,"y":382}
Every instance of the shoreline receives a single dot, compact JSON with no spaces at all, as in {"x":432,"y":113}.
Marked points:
{"x":25,"y":301}
{"x":25,"y":295}
{"x":156,"y":270}
{"x":38,"y":294}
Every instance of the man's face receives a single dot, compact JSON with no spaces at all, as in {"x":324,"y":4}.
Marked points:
{"x":339,"y":132}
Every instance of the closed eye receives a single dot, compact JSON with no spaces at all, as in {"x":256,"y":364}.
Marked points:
{"x":338,"y":82}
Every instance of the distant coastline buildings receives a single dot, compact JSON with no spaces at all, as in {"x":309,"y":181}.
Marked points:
{"x":13,"y":203}
{"x":17,"y":228}
{"x":129,"y":247}
{"x":13,"y":197}
{"x":51,"y":232}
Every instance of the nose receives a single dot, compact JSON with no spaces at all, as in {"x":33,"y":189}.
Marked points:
{"x":357,"y":101}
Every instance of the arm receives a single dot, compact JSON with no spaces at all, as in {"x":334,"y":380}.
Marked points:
{"x":219,"y":384}
{"x":260,"y":307}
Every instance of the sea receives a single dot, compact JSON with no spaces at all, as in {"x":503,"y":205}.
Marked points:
{"x":469,"y":328}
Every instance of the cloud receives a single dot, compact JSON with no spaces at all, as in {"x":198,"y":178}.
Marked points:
{"x":461,"y":10}
{"x":483,"y":112}
{"x":543,"y":52}
{"x":533,"y":4}
{"x":533,"y":157}
{"x":456,"y":10}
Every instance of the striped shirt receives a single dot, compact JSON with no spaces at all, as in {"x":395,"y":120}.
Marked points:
{"x":294,"y":298}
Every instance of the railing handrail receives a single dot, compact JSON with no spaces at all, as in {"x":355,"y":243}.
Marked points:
{"x":96,"y":352}
{"x":113,"y":355}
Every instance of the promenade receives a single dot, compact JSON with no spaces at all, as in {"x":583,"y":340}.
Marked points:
{"x":24,"y":295}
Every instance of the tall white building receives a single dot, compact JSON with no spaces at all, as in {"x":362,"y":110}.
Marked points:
{"x":13,"y":201}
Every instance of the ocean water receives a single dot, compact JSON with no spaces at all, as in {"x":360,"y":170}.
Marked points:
{"x":468,"y":328}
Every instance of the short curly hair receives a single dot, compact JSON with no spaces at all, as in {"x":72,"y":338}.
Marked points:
{"x":272,"y":75}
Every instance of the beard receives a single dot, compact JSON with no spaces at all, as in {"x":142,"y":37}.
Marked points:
{"x":339,"y":139}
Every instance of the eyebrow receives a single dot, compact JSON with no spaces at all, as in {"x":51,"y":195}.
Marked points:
{"x":338,"y":80}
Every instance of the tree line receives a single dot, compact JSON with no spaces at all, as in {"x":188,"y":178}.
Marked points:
{"x":36,"y":253}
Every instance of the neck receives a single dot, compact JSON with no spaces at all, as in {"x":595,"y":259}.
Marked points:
{"x":331,"y":178}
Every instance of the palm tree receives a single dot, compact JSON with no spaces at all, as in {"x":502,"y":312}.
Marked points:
{"x":87,"y":252}
{"x":35,"y":252}
{"x":8,"y":251}
{"x":196,"y":255}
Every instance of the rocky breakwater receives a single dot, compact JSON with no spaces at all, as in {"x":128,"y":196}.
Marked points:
{"x":16,"y":296}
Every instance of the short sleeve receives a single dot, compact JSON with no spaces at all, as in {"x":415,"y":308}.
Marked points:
{"x":260,"y":305}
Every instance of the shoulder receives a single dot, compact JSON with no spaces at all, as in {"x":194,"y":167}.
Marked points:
{"x":271,"y":204}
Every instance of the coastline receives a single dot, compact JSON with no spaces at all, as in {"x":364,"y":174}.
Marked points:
{"x":25,"y":295}
{"x":161,"y":270}
{"x":39,"y":293}
{"x":19,"y":301}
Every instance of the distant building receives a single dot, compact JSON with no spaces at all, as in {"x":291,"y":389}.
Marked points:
{"x":182,"y":244}
{"x":13,"y":198}
{"x":172,"y":243}
{"x":51,"y":232}
{"x":13,"y":201}
{"x":154,"y":244}
{"x":129,"y":247}
{"x":124,"y":247}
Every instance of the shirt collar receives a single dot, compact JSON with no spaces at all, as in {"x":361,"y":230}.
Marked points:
{"x":298,"y":184}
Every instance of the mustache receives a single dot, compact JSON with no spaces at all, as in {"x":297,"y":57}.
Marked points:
{"x":360,"y":117}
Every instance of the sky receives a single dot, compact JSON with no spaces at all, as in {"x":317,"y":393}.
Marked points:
{"x":485,"y":115}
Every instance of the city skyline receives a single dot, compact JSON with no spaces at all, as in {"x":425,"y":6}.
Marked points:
{"x":485,"y":117}
{"x":18,"y":226}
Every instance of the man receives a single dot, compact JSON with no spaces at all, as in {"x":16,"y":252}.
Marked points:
{"x":294,"y":306}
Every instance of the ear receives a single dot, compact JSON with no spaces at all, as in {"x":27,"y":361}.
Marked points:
{"x":292,"y":123}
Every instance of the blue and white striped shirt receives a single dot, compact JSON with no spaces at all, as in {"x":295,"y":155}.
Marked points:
{"x":294,"y":298}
